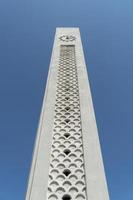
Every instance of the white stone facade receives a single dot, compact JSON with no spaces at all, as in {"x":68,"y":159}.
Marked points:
{"x":67,"y":162}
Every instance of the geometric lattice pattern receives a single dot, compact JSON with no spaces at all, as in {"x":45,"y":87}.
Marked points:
{"x":66,"y":174}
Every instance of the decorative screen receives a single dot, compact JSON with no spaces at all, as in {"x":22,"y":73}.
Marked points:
{"x":66,"y":174}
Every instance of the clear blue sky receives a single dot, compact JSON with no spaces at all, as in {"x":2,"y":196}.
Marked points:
{"x":27,"y":30}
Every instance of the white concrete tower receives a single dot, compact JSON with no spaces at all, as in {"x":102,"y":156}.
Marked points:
{"x":67,"y":162}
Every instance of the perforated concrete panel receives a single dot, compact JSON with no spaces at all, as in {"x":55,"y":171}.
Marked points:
{"x":67,"y":162}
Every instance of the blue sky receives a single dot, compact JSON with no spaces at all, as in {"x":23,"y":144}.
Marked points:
{"x":27,"y":30}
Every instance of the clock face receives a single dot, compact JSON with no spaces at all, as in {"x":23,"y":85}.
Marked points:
{"x":67,"y":38}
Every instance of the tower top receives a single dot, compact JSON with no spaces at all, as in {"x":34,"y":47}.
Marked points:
{"x":68,"y":35}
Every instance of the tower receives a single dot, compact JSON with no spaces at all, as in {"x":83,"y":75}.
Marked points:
{"x":67,"y":162}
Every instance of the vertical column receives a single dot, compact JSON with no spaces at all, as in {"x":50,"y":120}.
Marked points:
{"x":67,"y":162}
